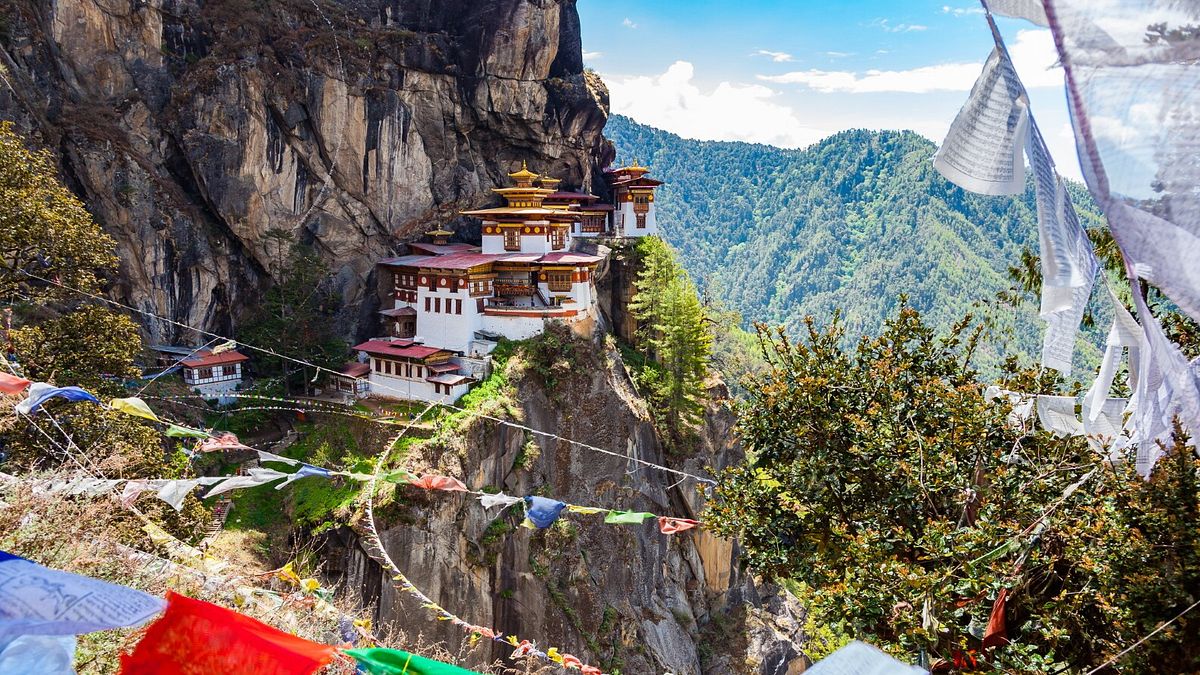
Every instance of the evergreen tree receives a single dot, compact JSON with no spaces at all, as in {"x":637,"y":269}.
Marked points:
{"x":297,"y":313}
{"x":672,"y":331}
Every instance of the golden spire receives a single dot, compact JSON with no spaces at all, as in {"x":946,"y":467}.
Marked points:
{"x":524,"y":175}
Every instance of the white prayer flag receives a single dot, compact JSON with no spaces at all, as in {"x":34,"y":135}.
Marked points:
{"x":982,"y":150}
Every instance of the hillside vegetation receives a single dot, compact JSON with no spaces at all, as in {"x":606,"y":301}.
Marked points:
{"x":849,"y":223}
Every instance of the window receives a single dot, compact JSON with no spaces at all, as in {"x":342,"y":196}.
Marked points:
{"x":558,"y":238}
{"x":512,"y":239}
{"x":204,"y":373}
{"x":437,"y":304}
{"x":458,"y":306}
{"x":375,"y":366}
{"x":559,"y":282}
{"x":427,"y":303}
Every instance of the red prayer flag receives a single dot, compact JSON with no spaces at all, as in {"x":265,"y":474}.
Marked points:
{"x":996,"y":634}
{"x":11,"y":384}
{"x":438,"y":483}
{"x":194,"y":636}
{"x":672,"y":525}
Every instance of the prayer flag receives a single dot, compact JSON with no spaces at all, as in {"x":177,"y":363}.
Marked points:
{"x":41,"y":654}
{"x":11,"y":384}
{"x":254,"y":477}
{"x":996,"y":634}
{"x":379,"y":661}
{"x":194,"y":636}
{"x":672,"y":525}
{"x":222,"y":441}
{"x":542,"y":512}
{"x":40,"y":392}
{"x":37,"y":600}
{"x":438,"y":483}
{"x":626,"y":517}
{"x":177,"y":431}
{"x":585,"y":510}
{"x":305,"y":471}
{"x":134,"y":406}
{"x":501,"y":500}
{"x":860,"y":658}
{"x":224,"y":347}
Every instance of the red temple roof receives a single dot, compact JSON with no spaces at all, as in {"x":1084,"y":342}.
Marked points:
{"x":354,"y":369}
{"x":571,"y":197}
{"x":400,"y":348}
{"x":568,"y":258}
{"x":399,"y":311}
{"x":206,"y":359}
{"x":440,"y":249}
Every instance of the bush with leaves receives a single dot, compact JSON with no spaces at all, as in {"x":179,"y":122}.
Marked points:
{"x":882,"y":479}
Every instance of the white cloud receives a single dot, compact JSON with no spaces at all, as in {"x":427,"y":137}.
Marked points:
{"x":1033,"y":55}
{"x":961,"y":11}
{"x":592,"y":56}
{"x":777,"y":57}
{"x":729,"y":112}
{"x":888,"y":26}
{"x":944,"y":77}
{"x":1036,"y":59}
{"x":628,"y":23}
{"x":838,"y":55}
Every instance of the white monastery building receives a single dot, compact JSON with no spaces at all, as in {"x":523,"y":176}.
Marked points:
{"x":214,"y":376}
{"x":450,"y":302}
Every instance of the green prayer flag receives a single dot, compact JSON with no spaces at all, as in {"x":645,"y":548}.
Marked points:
{"x":397,"y":476}
{"x":627,"y":517}
{"x":176,"y":431}
{"x":379,"y":661}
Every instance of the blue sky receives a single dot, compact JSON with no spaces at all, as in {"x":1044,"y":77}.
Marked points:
{"x":790,"y":73}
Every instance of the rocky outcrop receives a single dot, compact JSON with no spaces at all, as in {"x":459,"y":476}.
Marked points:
{"x":192,"y":128}
{"x":621,"y":597}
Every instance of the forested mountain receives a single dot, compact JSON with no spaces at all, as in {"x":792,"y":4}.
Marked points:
{"x":850,"y":222}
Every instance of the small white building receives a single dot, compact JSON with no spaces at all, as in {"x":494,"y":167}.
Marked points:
{"x":352,"y":380}
{"x":633,"y":201}
{"x":406,"y":370}
{"x":214,"y":376}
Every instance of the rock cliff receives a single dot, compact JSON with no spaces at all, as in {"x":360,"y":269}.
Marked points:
{"x":622,"y":597}
{"x":192,"y":128}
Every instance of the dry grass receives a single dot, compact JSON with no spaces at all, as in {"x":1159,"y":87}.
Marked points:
{"x":84,"y":536}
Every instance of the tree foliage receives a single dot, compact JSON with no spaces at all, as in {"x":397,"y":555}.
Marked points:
{"x":297,"y":313}
{"x":848,"y":222}
{"x":65,"y":338}
{"x":44,"y":229}
{"x":882,"y":479}
{"x":671,"y":331}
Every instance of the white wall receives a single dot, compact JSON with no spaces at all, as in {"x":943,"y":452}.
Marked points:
{"x":530,"y":243}
{"x":514,"y":327}
{"x":398,"y":388}
{"x":446,"y":329}
{"x":625,"y":210}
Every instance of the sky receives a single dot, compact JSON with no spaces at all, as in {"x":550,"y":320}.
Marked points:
{"x":790,"y":72}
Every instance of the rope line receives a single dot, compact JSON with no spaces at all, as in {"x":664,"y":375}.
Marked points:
{"x":480,"y":415}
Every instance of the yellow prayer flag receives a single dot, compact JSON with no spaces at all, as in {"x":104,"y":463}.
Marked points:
{"x":134,"y":406}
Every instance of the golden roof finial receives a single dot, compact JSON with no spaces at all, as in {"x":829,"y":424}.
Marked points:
{"x":524,"y":175}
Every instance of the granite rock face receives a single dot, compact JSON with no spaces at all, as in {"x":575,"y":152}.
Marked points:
{"x":191,"y":128}
{"x":621,"y":597}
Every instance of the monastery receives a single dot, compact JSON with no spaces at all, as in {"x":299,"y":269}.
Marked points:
{"x":451,"y":302}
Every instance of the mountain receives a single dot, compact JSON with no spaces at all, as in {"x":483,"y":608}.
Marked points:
{"x":193,"y":128}
{"x":848,"y":223}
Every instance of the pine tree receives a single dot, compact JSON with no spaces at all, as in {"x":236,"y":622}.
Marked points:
{"x":672,"y":332}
